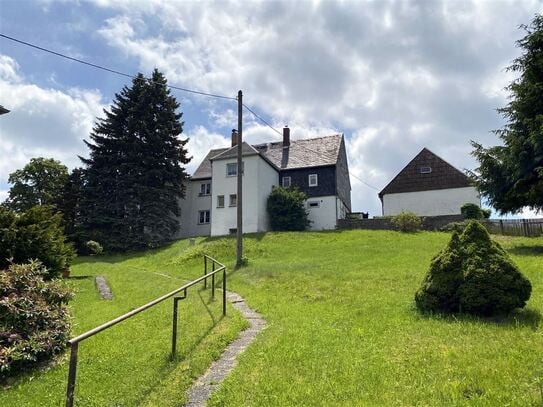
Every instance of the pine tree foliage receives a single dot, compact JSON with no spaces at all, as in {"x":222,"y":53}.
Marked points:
{"x":134,"y":175}
{"x":511,"y":175}
{"x":473,"y":275}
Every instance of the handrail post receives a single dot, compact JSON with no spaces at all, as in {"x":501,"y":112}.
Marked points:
{"x":174,"y":328}
{"x":224,"y":291}
{"x":72,"y":371}
{"x":213,"y":281}
{"x":205,"y":270}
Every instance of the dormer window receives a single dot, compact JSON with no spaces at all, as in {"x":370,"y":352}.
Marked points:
{"x":425,"y":170}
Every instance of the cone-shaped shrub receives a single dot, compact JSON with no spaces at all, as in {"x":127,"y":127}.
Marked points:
{"x":475,"y":275}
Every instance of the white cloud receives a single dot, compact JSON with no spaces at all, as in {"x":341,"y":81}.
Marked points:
{"x":42,"y":121}
{"x":394,"y":77}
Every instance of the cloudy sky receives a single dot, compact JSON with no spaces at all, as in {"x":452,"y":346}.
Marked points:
{"x":394,"y":77}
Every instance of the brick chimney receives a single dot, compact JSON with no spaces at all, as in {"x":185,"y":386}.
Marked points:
{"x":286,"y":136}
{"x":234,"y":137}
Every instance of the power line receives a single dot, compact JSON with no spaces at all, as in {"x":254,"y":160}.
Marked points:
{"x":261,"y":119}
{"x":103,"y":68}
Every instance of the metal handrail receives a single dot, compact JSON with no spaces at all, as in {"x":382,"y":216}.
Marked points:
{"x":74,"y":342}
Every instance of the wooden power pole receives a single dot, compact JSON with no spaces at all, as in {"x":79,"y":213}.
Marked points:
{"x":239,"y":231}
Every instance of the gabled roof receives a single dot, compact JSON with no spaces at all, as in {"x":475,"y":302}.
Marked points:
{"x":442,"y":176}
{"x":232,"y":152}
{"x":204,"y":170}
{"x":3,"y":110}
{"x":313,"y":152}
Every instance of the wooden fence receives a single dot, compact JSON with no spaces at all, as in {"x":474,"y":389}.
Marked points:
{"x":515,"y":227}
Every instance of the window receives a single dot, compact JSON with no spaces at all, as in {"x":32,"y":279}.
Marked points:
{"x":233,"y":231}
{"x":313,"y":180}
{"x":233,"y":200}
{"x":425,"y":170}
{"x":220,"y":201}
{"x":314,"y":204}
{"x":205,"y":189}
{"x":286,"y":182}
{"x":203,"y":217}
{"x":232,"y":169}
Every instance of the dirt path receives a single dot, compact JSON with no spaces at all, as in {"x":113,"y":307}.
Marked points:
{"x":204,"y":387}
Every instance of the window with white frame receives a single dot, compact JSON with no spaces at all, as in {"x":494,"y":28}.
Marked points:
{"x":220,"y":201}
{"x":313,"y":204}
{"x":313,"y":180}
{"x":286,"y":182}
{"x":204,"y":217}
{"x":205,"y":189}
{"x":233,"y":200}
{"x":232,"y":169}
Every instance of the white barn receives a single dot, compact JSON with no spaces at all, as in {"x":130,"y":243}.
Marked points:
{"x":428,"y":186}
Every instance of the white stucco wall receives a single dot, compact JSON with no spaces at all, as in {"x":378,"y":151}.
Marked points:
{"x":190,"y":206}
{"x":257,"y":182}
{"x":430,"y":203}
{"x":323,"y":217}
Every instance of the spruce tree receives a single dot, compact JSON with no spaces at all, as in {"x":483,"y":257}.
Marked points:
{"x":134,"y":175}
{"x":511,"y":175}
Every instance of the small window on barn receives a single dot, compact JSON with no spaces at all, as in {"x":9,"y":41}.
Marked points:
{"x":425,"y":170}
{"x":314,"y":204}
{"x":313,"y":180}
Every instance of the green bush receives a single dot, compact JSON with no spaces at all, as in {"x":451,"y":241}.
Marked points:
{"x":286,"y":207}
{"x":34,"y":319}
{"x":36,"y":234}
{"x":455,"y":226}
{"x":472,"y":211}
{"x":94,"y":247}
{"x":407,"y":222}
{"x":486,"y":213}
{"x":474,"y":275}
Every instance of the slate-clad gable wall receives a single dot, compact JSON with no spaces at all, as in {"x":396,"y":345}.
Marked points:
{"x":343,"y":181}
{"x":442,"y":176}
{"x":300,"y":178}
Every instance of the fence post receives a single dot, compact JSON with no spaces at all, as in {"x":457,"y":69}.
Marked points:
{"x":213,"y":282}
{"x":501,"y":226}
{"x":205,"y":271}
{"x":174,"y":328}
{"x":224,"y":291}
{"x":525,"y":227}
{"x":72,"y":372}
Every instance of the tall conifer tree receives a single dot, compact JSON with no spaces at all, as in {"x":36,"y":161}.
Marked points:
{"x":134,"y":175}
{"x":511,"y":175}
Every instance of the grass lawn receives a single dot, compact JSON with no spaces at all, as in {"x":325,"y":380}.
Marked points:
{"x":129,"y":364}
{"x":342,"y":329}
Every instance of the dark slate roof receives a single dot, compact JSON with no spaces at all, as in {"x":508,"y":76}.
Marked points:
{"x":3,"y":110}
{"x":314,"y":152}
{"x":204,"y":170}
{"x":442,"y":176}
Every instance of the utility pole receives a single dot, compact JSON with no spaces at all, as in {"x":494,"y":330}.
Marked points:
{"x":239,"y":199}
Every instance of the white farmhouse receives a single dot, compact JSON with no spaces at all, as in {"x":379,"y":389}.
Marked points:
{"x":428,"y":186}
{"x":317,"y":166}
